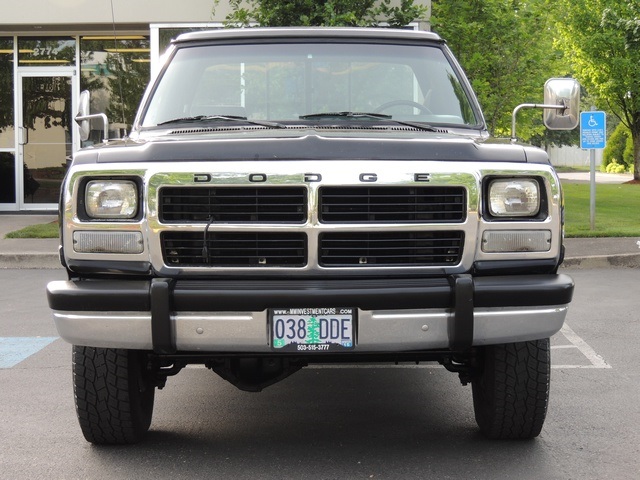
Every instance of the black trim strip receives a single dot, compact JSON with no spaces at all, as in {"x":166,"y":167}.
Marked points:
{"x":254,"y":296}
{"x":90,"y":267}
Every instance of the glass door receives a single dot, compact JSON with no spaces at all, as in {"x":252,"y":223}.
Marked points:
{"x":45,"y":138}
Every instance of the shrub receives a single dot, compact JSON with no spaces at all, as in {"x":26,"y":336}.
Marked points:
{"x":615,"y":167}
{"x":618,"y":154}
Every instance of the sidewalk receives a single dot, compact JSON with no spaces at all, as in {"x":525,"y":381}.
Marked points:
{"x":27,"y":252}
{"x":602,"y":252}
{"x":43,"y":253}
{"x":585,"y":177}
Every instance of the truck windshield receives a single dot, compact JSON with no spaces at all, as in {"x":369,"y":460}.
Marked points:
{"x":307,"y":82}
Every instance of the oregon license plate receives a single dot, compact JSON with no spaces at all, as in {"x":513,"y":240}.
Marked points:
{"x":312,"y":329}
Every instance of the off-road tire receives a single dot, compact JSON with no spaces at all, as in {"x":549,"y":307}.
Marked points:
{"x":113,"y":394}
{"x":511,"y":390}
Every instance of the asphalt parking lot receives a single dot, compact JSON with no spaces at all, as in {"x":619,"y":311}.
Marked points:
{"x":412,"y":421}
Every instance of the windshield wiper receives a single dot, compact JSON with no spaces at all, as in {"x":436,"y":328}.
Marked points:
{"x":374,"y":116}
{"x":418,"y":125}
{"x":232,"y":118}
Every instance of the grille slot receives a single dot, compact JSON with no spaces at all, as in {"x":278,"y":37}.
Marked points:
{"x":233,"y":204}
{"x":234,"y":249}
{"x":393,"y":204}
{"x":372,"y":249}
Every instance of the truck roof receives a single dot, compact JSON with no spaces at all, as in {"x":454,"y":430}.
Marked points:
{"x":309,"y":32}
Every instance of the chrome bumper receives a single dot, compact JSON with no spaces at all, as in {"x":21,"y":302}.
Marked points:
{"x":378,"y":331}
{"x":169,"y":316}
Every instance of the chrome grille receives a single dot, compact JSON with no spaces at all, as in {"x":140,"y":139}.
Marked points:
{"x":234,"y":249}
{"x":392,"y":204}
{"x":289,"y":205}
{"x":338,"y":249}
{"x":266,"y":204}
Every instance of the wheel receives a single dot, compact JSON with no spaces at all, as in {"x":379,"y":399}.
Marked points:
{"x":400,"y":103}
{"x":511,"y":391}
{"x":114,"y":394}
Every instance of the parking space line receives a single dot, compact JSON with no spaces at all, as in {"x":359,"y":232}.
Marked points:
{"x":577,"y":343}
{"x":596,"y":360}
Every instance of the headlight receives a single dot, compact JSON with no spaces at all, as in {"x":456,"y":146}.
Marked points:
{"x":111,"y":199}
{"x":514,"y":197}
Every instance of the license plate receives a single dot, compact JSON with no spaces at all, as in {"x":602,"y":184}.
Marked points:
{"x":312,"y":330}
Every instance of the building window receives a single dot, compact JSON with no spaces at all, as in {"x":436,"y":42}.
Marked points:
{"x":116,"y":72}
{"x":162,"y":34}
{"x":7,"y":136}
{"x":7,"y":132}
{"x":46,"y":51}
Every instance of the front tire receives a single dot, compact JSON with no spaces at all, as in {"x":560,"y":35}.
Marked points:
{"x":511,"y":390}
{"x":114,"y":394}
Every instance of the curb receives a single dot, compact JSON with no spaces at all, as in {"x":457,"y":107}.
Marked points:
{"x":623,"y":260}
{"x":30,"y":260}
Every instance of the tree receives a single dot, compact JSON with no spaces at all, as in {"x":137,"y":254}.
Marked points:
{"x":6,"y":85}
{"x":326,"y":13}
{"x":507,"y":51}
{"x":127,"y":85}
{"x":119,"y":79}
{"x":313,"y":330}
{"x":602,"y":40}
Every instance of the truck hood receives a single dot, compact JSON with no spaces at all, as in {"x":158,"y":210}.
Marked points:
{"x":308,"y":144}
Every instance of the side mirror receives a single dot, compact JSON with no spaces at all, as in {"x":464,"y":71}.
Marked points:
{"x":565,"y":92}
{"x":83,"y":111}
{"x":83,"y":118}
{"x":561,"y":105}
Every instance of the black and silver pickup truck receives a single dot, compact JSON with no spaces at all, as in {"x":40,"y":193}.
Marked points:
{"x":292,"y":196}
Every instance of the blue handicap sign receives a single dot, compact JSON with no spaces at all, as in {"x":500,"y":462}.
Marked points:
{"x":593,"y":130}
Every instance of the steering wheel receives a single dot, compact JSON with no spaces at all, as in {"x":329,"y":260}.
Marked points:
{"x":407,"y":103}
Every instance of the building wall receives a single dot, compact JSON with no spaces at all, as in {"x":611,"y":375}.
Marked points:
{"x":572,"y":157}
{"x":34,"y":15}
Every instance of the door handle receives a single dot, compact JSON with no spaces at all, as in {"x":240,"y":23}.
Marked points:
{"x":23,"y":134}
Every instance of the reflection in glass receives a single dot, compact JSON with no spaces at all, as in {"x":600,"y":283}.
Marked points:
{"x":116,"y":72}
{"x":44,"y":51}
{"x":168,"y":34}
{"x":282,"y":82}
{"x":7,"y":177}
{"x":7,"y":134}
{"x":47,"y":148}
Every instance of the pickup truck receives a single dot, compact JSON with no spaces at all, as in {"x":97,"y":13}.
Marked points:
{"x":301,"y":196}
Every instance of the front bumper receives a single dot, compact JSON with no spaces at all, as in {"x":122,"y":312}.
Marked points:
{"x":394,"y":315}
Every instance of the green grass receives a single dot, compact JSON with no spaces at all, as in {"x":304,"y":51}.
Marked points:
{"x":43,"y":230}
{"x":617,"y":210}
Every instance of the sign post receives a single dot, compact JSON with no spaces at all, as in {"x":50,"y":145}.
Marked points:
{"x":593,"y":136}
